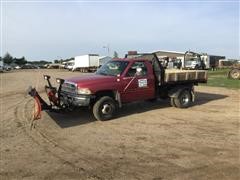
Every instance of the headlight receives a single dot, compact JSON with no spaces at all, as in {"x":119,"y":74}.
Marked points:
{"x":83,"y":91}
{"x":46,"y":77}
{"x":60,"y":81}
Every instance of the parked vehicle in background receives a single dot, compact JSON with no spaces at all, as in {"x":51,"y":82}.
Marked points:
{"x":234,"y":72}
{"x":193,"y":64}
{"x":55,"y":66}
{"x":69,"y":66}
{"x":7,"y":68}
{"x":1,"y":66}
{"x":41,"y":66}
{"x":17,"y":67}
{"x":225,"y":63}
{"x":193,"y":60}
{"x":86,"y":63}
{"x":28,"y":66}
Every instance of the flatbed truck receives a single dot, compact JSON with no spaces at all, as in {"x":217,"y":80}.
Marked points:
{"x":122,"y":81}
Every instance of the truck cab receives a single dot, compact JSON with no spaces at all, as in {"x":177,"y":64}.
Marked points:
{"x":132,"y":80}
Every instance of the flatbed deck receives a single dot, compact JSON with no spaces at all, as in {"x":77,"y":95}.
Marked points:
{"x":175,"y":75}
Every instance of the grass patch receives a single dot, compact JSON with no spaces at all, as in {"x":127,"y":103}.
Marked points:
{"x":219,"y":79}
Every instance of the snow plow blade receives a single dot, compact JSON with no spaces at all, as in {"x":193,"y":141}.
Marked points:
{"x":40,"y":104}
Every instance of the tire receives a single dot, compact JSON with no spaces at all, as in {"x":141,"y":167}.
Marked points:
{"x":172,"y":101}
{"x":234,"y":74}
{"x":183,"y":100}
{"x":153,"y":100}
{"x":104,"y":109}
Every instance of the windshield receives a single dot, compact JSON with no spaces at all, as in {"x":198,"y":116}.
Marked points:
{"x":112,"y":68}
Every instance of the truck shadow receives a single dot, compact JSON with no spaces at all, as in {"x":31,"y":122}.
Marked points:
{"x":133,"y":108}
{"x":203,"y":98}
{"x":84,"y":115}
{"x":74,"y":118}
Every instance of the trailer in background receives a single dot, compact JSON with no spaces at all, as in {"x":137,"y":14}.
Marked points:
{"x":86,"y":63}
{"x":89,"y":62}
{"x":212,"y":61}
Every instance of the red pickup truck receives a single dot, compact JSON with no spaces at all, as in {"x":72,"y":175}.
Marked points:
{"x":122,"y":81}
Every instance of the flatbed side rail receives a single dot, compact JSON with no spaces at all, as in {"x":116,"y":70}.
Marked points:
{"x":186,"y":76}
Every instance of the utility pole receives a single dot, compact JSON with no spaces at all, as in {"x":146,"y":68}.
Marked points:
{"x":108,"y":49}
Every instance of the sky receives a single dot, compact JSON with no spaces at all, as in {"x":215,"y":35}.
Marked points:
{"x":48,"y":30}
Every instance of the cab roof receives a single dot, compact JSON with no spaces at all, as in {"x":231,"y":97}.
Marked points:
{"x":129,"y":59}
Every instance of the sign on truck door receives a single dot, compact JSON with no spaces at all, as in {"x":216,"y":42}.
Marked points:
{"x":138,"y":83}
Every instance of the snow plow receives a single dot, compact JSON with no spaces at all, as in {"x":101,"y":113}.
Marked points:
{"x":53,"y":96}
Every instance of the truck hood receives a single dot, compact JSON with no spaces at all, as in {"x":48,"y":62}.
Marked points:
{"x":94,"y":82}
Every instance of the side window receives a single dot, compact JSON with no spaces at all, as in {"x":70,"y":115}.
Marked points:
{"x":140,"y":66}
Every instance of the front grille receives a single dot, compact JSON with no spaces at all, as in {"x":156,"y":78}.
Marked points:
{"x":69,"y":87}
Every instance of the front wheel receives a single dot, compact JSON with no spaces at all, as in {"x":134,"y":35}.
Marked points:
{"x":183,"y":100}
{"x":104,"y":108}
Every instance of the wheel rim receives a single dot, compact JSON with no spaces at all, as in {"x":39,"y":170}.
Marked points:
{"x":235,"y":74}
{"x":185,"y":99}
{"x":106,"y":109}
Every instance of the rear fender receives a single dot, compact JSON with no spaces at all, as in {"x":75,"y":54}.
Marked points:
{"x":174,"y":93}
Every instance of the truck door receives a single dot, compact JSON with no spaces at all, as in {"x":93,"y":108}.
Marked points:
{"x":138,"y":82}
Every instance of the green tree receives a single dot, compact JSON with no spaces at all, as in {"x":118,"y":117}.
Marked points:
{"x":7,"y":58}
{"x":21,"y":61}
{"x":115,"y":54}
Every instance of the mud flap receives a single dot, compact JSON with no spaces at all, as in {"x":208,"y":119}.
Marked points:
{"x":193,"y":94}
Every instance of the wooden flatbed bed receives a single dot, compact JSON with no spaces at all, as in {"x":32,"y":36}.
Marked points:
{"x":177,"y":75}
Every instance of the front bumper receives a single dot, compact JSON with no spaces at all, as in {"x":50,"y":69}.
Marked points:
{"x":68,"y":99}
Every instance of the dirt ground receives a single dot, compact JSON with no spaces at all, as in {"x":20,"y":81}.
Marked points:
{"x":145,"y":141}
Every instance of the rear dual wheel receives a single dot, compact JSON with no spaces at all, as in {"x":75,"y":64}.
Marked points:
{"x":183,"y":100}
